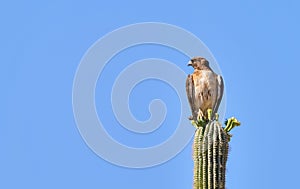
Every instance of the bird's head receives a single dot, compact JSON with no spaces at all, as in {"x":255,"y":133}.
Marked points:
{"x":199,"y":63}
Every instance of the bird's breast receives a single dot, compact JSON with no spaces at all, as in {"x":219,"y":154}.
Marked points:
{"x":205,"y":88}
{"x":204,"y":79}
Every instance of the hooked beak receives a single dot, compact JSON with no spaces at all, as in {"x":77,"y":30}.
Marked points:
{"x":190,"y":63}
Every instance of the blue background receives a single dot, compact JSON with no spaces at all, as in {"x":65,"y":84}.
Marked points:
{"x":255,"y":43}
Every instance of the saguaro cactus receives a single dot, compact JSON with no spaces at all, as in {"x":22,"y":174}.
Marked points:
{"x":210,"y":152}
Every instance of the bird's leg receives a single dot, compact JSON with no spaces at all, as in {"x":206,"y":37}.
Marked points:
{"x":209,"y":113}
{"x":231,"y":123}
{"x":216,"y":116}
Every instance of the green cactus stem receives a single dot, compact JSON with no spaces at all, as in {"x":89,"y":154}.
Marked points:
{"x":210,"y":152}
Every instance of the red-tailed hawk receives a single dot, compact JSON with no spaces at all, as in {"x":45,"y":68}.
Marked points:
{"x":204,"y":89}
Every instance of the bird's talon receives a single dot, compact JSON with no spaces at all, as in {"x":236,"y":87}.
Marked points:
{"x":200,"y":115}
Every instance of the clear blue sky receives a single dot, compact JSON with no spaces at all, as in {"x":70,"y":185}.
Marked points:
{"x":256,"y":44}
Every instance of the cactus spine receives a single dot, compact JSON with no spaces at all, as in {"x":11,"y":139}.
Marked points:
{"x":210,"y":151}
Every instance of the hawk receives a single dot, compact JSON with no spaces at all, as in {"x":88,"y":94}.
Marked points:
{"x":204,"y":89}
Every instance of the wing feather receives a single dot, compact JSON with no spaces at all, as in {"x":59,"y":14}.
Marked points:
{"x":190,"y":91}
{"x":220,"y":90}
